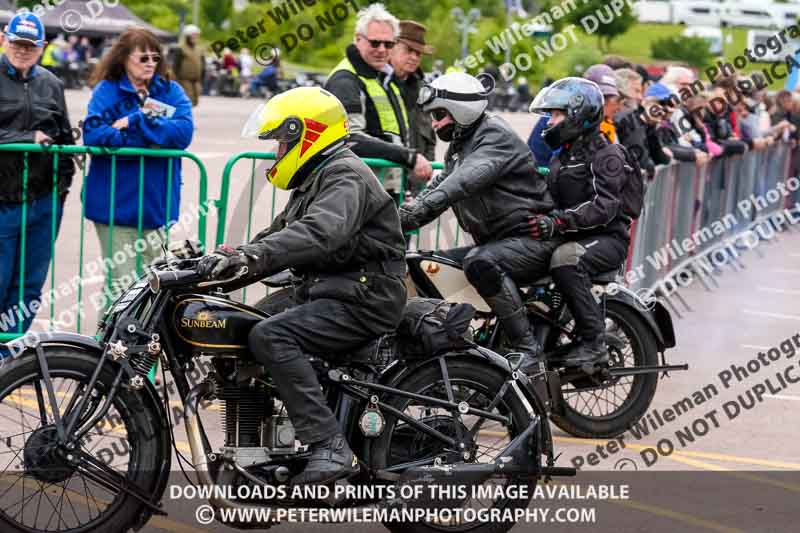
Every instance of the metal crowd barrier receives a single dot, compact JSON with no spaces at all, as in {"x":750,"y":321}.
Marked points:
{"x":115,"y":154}
{"x":698,"y":219}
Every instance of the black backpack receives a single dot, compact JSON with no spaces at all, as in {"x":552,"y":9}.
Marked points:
{"x":430,"y":326}
{"x":632,"y":192}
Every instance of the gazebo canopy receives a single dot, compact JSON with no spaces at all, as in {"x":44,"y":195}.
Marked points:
{"x":79,"y":17}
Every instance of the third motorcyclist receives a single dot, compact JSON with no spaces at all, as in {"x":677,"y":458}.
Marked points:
{"x":597,"y":188}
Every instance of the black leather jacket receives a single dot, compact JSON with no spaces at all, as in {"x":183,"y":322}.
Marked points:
{"x":490,"y":180}
{"x":27,"y":105}
{"x":585,"y":180}
{"x":339,"y":220}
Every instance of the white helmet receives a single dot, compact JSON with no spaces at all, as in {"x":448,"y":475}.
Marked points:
{"x":462,"y":95}
{"x":191,"y":29}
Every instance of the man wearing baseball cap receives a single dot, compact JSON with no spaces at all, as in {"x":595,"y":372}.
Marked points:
{"x":33,"y":110}
{"x":603,"y":76}
{"x":405,"y":59}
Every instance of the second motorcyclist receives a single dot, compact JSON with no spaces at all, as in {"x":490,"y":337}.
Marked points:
{"x":491,"y":182}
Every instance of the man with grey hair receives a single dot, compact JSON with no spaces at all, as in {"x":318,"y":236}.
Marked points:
{"x":364,"y":83}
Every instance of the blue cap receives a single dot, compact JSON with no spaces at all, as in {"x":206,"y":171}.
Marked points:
{"x":659,"y":91}
{"x":26,"y":27}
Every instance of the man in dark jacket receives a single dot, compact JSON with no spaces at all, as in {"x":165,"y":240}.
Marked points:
{"x":341,"y":233}
{"x":364,"y":83}
{"x":405,"y":59}
{"x":635,"y":131}
{"x":591,"y":214}
{"x":490,"y":181}
{"x":32,"y":110}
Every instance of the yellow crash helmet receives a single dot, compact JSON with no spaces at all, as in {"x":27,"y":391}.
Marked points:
{"x":307,"y":121}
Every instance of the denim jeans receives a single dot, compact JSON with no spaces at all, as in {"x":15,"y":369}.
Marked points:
{"x":38,"y":238}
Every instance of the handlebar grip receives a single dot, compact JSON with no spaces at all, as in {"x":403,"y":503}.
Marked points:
{"x":173,"y":278}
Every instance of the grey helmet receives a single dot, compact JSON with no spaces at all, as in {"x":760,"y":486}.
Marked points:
{"x":462,"y":95}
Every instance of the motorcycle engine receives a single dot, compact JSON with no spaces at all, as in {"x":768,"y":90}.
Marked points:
{"x":254,"y":431}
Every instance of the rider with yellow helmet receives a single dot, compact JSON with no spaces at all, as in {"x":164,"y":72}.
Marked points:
{"x":341,"y":232}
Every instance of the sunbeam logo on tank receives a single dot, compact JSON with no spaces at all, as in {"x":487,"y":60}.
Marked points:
{"x":203,"y":319}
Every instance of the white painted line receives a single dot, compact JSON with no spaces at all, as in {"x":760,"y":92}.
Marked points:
{"x":785,"y":271}
{"x":778,"y":291}
{"x":215,"y":155}
{"x":771,"y":315}
{"x":755,"y":347}
{"x":783,"y":397}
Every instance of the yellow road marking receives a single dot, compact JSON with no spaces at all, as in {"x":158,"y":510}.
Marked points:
{"x":682,"y":453}
{"x":680,"y":517}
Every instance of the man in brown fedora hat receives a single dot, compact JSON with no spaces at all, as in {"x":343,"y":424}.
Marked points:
{"x":405,"y":60}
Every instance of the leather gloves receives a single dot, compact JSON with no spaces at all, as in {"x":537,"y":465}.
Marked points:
{"x":225,"y":262}
{"x":544,"y":227}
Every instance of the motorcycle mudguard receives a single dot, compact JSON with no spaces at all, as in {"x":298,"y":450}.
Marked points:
{"x":94,"y":348}
{"x":657,"y":319}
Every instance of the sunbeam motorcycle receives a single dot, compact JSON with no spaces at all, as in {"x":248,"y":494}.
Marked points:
{"x":458,"y":416}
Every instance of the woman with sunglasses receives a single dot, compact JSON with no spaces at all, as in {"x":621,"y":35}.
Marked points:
{"x":134,"y":104}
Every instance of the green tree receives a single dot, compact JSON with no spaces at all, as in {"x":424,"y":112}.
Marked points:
{"x":695,"y":51}
{"x":216,"y":11}
{"x":597,"y":16}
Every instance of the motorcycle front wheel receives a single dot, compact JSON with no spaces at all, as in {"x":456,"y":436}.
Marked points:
{"x":47,"y":486}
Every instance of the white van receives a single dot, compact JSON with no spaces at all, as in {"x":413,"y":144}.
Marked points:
{"x":752,"y":15}
{"x":659,"y":11}
{"x":710,"y":33}
{"x":697,"y":12}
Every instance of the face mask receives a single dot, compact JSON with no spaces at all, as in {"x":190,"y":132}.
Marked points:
{"x":552,"y":137}
{"x":445,"y":133}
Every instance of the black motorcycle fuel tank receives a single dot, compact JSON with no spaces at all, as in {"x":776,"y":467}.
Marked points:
{"x":213,"y":324}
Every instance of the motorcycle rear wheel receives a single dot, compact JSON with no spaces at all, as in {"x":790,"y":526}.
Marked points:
{"x":477,"y":383}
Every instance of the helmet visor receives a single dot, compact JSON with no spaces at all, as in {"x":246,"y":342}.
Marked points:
{"x":253,"y":124}
{"x":549,"y":99}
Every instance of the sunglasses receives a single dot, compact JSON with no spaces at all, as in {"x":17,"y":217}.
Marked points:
{"x":375,"y":43}
{"x":439,"y":114}
{"x":148,"y":58}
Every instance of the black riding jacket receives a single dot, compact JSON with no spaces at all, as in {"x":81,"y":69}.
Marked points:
{"x":585,"y":180}
{"x":491,"y":182}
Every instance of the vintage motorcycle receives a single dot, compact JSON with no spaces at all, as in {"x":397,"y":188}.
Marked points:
{"x":458,"y":416}
{"x":594,"y":402}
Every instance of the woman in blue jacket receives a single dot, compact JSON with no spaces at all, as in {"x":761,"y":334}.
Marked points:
{"x":134,"y":104}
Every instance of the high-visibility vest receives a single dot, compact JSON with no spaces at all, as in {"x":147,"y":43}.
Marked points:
{"x":380,"y":99}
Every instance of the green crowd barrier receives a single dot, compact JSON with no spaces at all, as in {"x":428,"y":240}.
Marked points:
{"x":114,"y":154}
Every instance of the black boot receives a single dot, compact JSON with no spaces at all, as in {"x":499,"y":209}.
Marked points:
{"x":331,"y":459}
{"x":588,"y":352}
{"x":576,"y":288}
{"x":510,"y":311}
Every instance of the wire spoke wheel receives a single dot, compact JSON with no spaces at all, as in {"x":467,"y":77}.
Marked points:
{"x":402,"y":443}
{"x":606,"y":407}
{"x":48,"y":484}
